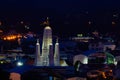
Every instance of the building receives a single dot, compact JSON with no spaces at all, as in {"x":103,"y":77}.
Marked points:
{"x":47,"y":57}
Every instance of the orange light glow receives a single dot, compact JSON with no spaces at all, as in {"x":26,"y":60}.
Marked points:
{"x":11,"y":37}
{"x":110,"y":70}
{"x":1,"y":31}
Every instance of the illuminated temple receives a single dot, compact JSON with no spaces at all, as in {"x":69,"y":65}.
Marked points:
{"x":47,"y":57}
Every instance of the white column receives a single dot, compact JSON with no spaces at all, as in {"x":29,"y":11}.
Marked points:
{"x":56,"y":55}
{"x":37,"y":55}
{"x":51,"y":56}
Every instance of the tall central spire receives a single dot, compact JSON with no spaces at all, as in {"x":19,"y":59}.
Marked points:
{"x":47,"y":40}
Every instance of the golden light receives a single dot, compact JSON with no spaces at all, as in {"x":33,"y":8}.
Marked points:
{"x":8,"y":38}
{"x":19,"y":36}
{"x":110,"y":70}
{"x":4,"y":38}
{"x":103,"y":74}
{"x":12,"y":37}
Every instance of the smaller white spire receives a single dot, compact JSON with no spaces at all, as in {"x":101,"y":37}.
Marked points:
{"x":37,"y":40}
{"x":37,"y":59}
{"x":56,"y":54}
{"x":57,"y":40}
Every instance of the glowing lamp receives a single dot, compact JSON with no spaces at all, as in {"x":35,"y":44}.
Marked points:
{"x":19,"y":63}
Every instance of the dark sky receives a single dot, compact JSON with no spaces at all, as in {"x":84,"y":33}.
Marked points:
{"x":66,"y":16}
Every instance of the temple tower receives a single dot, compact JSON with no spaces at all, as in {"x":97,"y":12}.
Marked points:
{"x":47,"y":40}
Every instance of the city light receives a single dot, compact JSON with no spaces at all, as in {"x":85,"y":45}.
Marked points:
{"x":113,"y":23}
{"x":11,"y":37}
{"x":1,"y":62}
{"x":1,"y":31}
{"x":0,"y":23}
{"x":19,"y":63}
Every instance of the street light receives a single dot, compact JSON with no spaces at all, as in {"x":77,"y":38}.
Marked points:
{"x":19,"y":63}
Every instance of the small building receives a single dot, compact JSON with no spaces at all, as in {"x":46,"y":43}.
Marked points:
{"x":101,"y":58}
{"x":82,"y":58}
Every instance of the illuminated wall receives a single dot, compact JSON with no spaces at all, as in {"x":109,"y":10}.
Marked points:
{"x":82,"y":58}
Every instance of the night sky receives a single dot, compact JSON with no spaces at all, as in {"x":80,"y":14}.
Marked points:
{"x":66,"y":16}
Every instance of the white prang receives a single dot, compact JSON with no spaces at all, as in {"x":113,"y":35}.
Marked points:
{"x":48,"y":57}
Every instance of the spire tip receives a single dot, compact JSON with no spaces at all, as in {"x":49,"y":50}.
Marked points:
{"x":37,"y":40}
{"x":57,"y":40}
{"x":47,"y":21}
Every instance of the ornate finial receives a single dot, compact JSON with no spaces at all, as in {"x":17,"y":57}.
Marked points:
{"x":37,"y":40}
{"x":47,"y":21}
{"x":47,"y":18}
{"x":57,"y":40}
